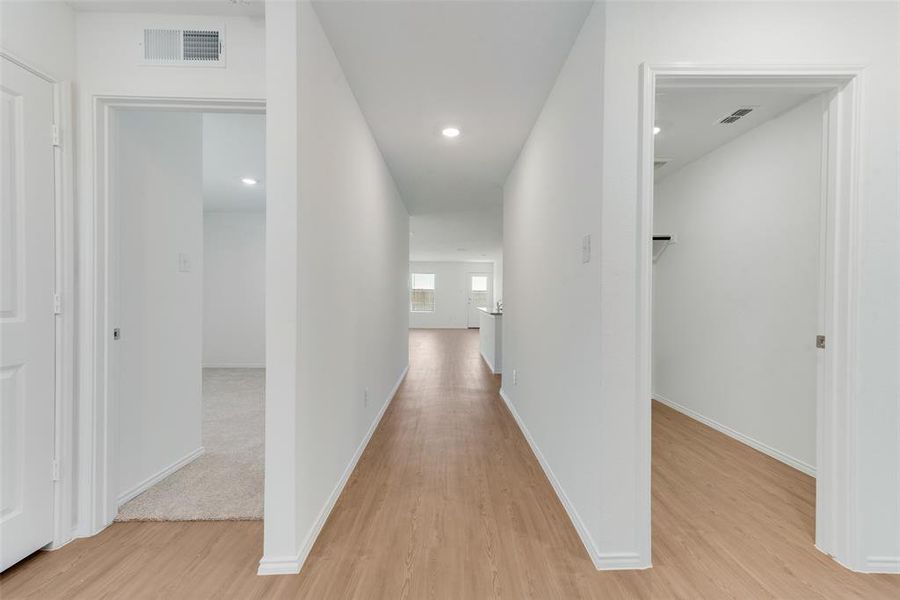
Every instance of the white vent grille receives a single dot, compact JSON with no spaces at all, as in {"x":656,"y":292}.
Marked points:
{"x":162,"y":44}
{"x":198,"y":47}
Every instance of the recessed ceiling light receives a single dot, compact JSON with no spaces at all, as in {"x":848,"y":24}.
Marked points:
{"x":656,"y":130}
{"x":450,"y":132}
{"x":248,"y":181}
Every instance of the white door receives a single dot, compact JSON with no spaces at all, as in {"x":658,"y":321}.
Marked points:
{"x":27,"y":321}
{"x":479,"y":296}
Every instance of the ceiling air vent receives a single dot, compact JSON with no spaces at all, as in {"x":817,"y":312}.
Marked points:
{"x":196,"y":47}
{"x":737,"y":115}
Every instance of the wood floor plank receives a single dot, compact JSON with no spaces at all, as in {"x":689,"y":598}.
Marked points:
{"x":449,"y":502}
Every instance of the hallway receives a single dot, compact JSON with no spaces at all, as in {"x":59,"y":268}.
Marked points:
{"x":449,"y":502}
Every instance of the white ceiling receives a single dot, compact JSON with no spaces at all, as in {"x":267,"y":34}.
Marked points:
{"x":689,"y":119}
{"x":464,"y":235}
{"x":234,"y":146}
{"x":236,"y":8}
{"x":484,"y":67}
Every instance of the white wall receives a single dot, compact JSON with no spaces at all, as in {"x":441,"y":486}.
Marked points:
{"x":735,"y":301}
{"x":352,"y":323}
{"x":557,"y":192}
{"x":450,"y":295}
{"x":734,"y":33}
{"x":53,"y":50}
{"x":106,"y":54}
{"x":282,"y":536}
{"x":159,"y":187}
{"x":551,"y":330}
{"x":234,"y":294}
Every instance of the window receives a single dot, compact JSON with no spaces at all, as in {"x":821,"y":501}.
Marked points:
{"x":479,"y":283}
{"x":421,"y":293}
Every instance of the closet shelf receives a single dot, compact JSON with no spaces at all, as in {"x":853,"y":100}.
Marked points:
{"x":661,"y":241}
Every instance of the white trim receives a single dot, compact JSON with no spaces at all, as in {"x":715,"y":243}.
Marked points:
{"x":837,"y":515}
{"x":254,"y":365}
{"x":14,"y":58}
{"x":837,"y":518}
{"x":280,"y":565}
{"x":64,"y":434}
{"x":98,"y":503}
{"x":602,"y":561}
{"x":643,"y":321}
{"x":882,"y":564}
{"x":489,"y":364}
{"x":290,"y":565}
{"x":737,"y":435}
{"x":618,"y":561}
{"x":160,"y":475}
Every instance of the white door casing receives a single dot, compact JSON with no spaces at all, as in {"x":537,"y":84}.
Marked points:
{"x":837,"y":520}
{"x":97,"y":464}
{"x":27,"y":312}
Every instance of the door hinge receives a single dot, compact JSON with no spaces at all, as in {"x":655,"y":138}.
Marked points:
{"x":57,"y":304}
{"x":54,"y":129}
{"x":55,"y":470}
{"x":820,"y":341}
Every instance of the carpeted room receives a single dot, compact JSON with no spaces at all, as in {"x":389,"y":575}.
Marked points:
{"x":191,"y":426}
{"x":225,"y":483}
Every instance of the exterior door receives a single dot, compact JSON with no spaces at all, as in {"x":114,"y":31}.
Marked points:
{"x":27,"y":320}
{"x":479,"y":296}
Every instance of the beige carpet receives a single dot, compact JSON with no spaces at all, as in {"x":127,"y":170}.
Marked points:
{"x":226,"y":482}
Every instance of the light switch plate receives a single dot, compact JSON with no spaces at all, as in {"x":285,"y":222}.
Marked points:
{"x":184,"y":263}
{"x":586,"y":249}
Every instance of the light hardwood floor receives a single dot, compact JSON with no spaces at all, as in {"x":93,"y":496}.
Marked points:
{"x":449,"y":502}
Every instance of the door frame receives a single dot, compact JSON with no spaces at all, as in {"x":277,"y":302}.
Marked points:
{"x":836,"y":439}
{"x":97,"y":473}
{"x":64,"y":267}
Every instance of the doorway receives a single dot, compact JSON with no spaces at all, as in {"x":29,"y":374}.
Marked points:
{"x":835,"y":294}
{"x":736,"y":276}
{"x":478,"y":290}
{"x":189,"y":294}
{"x":163,"y":204}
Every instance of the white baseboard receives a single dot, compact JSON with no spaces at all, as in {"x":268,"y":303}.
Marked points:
{"x":882,"y":564}
{"x":279,"y":565}
{"x":744,"y":439}
{"x":253,"y":365}
{"x":290,"y":565}
{"x":601,"y":561}
{"x":619,"y":561}
{"x":157,"y":477}
{"x":488,"y":363}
